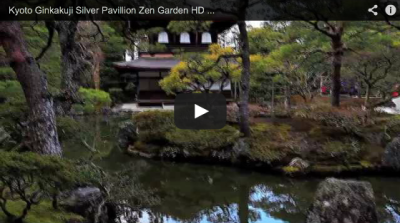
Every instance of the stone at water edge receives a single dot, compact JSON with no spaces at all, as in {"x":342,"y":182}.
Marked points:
{"x":299,"y":163}
{"x":126,"y":134}
{"x":343,"y":201}
{"x":4,"y":136}
{"x":391,"y":157}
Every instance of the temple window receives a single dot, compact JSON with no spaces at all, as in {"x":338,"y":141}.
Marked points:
{"x":163,"y":37}
{"x":184,"y":37}
{"x":206,"y":38}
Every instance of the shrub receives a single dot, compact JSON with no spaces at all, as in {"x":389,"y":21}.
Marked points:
{"x":68,"y":127}
{"x":94,"y":100}
{"x":267,"y":143}
{"x":350,"y":121}
{"x":153,"y":125}
{"x":342,"y":151}
{"x":117,"y":95}
{"x":157,"y":128}
{"x":203,"y":140}
{"x":30,"y":177}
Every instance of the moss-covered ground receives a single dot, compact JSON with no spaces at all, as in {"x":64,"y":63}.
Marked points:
{"x":42,"y":213}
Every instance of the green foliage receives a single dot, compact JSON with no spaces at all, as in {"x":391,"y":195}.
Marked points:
{"x":94,"y":100}
{"x":14,"y":108}
{"x":36,"y":36}
{"x":157,"y":128}
{"x":154,"y":125}
{"x":342,"y":151}
{"x":289,"y":170}
{"x":6,"y":73}
{"x":349,"y":121}
{"x":203,"y":140}
{"x":197,"y":72}
{"x":267,"y":143}
{"x":68,"y":127}
{"x":30,"y":177}
{"x":113,"y":50}
{"x":42,"y":213}
{"x":116,"y":94}
{"x":178,"y":27}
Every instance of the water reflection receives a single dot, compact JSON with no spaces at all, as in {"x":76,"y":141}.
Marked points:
{"x":213,"y":194}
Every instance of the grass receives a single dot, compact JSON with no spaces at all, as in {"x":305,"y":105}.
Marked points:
{"x":42,"y":213}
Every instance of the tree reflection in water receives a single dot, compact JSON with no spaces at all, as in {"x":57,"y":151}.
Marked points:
{"x":191,"y":193}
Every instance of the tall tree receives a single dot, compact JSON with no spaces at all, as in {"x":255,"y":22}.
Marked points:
{"x":41,"y":129}
{"x":334,"y":30}
{"x":245,"y":79}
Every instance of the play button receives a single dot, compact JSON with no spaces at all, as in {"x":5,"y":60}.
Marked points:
{"x":199,"y":111}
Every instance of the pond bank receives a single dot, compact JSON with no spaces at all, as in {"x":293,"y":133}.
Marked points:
{"x":329,"y":145}
{"x":209,"y":193}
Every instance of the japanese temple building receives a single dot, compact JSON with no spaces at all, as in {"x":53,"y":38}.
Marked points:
{"x":150,"y":67}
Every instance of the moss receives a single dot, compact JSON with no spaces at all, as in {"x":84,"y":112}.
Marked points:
{"x":42,"y":213}
{"x":289,"y":170}
{"x":154,"y":125}
{"x":327,"y":169}
{"x":68,"y":127}
{"x":366,"y":164}
{"x":203,"y":140}
{"x":267,"y":143}
{"x":340,"y":151}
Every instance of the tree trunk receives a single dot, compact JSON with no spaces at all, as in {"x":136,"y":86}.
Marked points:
{"x":73,"y":63}
{"x":367,"y":95}
{"x":245,"y":80}
{"x":273,"y":100}
{"x":243,"y":206}
{"x":287,"y":98}
{"x":42,"y":131}
{"x":337,"y":48}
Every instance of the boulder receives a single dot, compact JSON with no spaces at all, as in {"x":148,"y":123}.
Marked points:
{"x":81,"y":200}
{"x":127,"y":134}
{"x":391,"y":157}
{"x":4,"y":136}
{"x":232,"y":113}
{"x":85,"y":201}
{"x":343,"y":201}
{"x":299,"y":163}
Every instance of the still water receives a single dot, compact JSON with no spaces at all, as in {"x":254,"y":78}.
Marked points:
{"x":204,"y":194}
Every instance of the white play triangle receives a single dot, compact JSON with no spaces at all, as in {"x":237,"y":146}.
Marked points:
{"x":199,"y":111}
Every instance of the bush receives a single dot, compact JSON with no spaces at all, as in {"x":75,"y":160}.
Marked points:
{"x":267,"y":143}
{"x":344,"y":152}
{"x":350,"y":121}
{"x":30,"y":177}
{"x":68,"y":127}
{"x":13,"y":108}
{"x":203,"y":140}
{"x":117,"y":95}
{"x":94,"y":100}
{"x":154,"y":125}
{"x":158,"y":128}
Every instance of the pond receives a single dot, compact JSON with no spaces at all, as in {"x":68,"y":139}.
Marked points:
{"x":205,"y":193}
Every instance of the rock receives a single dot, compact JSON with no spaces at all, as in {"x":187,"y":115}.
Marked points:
{"x":232,"y":113}
{"x":127,"y":134}
{"x":81,"y":200}
{"x":391,"y":157}
{"x":299,"y":163}
{"x":343,"y":201}
{"x":4,"y":136}
{"x":85,"y":201}
{"x":389,"y":104}
{"x":241,"y":147}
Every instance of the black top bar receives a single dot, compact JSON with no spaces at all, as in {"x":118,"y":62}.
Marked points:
{"x":217,"y":10}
